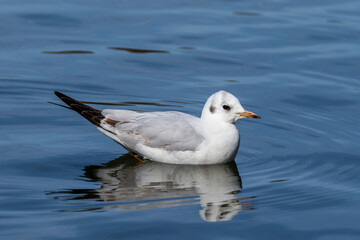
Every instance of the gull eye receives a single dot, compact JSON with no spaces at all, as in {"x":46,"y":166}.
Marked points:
{"x":226,"y":107}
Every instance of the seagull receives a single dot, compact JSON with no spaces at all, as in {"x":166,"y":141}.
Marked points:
{"x":171,"y":136}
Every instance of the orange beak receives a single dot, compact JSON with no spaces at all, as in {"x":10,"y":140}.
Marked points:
{"x":249,"y":114}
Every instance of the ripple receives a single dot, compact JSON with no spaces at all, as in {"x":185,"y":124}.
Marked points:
{"x":248,"y":14}
{"x":69,"y":52}
{"x":334,"y":21}
{"x":308,"y":181}
{"x":187,"y":48}
{"x":50,"y":20}
{"x":137,"y":50}
{"x":279,"y":180}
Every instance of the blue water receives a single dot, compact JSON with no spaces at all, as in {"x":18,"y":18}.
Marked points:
{"x":295,"y":63}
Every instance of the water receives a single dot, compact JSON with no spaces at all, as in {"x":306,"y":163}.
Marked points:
{"x":296,"y":63}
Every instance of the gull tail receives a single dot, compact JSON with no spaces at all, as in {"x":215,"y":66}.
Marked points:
{"x":91,"y":114}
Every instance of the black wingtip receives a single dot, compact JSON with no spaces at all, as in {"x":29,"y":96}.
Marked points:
{"x":92,"y":114}
{"x":59,"y":94}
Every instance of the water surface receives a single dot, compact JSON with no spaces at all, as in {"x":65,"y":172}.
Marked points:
{"x":296,"y":174}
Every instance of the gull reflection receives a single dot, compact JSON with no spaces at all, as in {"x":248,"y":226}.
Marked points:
{"x":159,"y":185}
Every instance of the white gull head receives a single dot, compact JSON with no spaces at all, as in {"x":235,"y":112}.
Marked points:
{"x":222,"y":106}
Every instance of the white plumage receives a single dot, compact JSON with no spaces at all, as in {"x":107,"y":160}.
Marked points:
{"x":175,"y":137}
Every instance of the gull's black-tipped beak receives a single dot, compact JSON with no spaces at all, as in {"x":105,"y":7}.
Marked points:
{"x":249,"y":114}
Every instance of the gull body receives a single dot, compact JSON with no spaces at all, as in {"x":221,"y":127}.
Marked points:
{"x":173,"y":137}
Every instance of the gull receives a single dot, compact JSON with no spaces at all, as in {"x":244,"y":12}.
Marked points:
{"x":171,"y":136}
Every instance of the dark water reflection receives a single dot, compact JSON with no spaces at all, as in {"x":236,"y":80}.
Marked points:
{"x":134,"y":50}
{"x":158,"y":185}
{"x":248,"y":14}
{"x":69,"y":52}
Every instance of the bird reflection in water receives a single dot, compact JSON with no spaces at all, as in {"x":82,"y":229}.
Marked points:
{"x":160,"y":185}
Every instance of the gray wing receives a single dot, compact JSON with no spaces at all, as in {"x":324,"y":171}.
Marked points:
{"x":173,"y":131}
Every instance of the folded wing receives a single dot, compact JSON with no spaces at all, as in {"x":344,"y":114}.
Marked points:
{"x":173,"y":131}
